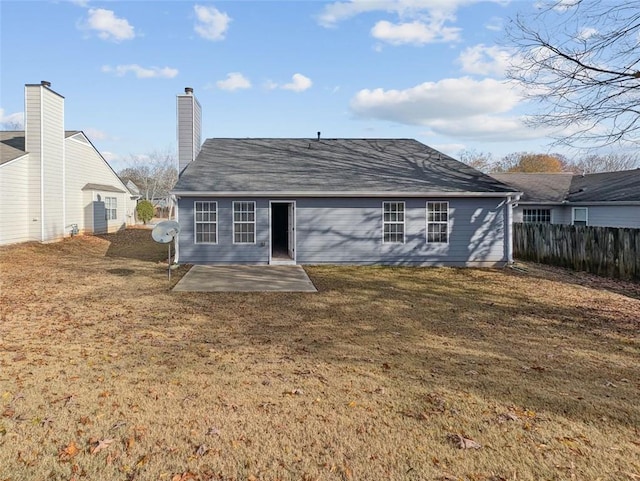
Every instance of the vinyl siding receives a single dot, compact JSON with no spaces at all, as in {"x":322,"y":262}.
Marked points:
{"x":189,"y":129}
{"x":349,"y":231}
{"x":614,"y":216}
{"x":33,"y":137}
{"x":14,"y":202}
{"x":598,"y":215}
{"x":53,"y":166}
{"x":84,"y":166}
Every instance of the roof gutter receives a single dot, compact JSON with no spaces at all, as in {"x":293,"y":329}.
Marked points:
{"x":190,"y":193}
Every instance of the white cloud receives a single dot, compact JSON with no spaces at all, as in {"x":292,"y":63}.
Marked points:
{"x":299,"y":83}
{"x":110,"y":156}
{"x":108,"y":26}
{"x":14,"y":121}
{"x":483,"y":60}
{"x":456,"y":107}
{"x":486,"y":128}
{"x":562,"y":5}
{"x":211,"y":24}
{"x":95,"y":134}
{"x":495,"y":24}
{"x":141,"y":72}
{"x":417,"y":21}
{"x":234,"y":81}
{"x":416,"y":32}
{"x":450,"y":149}
{"x":447,"y":98}
{"x":586,"y":33}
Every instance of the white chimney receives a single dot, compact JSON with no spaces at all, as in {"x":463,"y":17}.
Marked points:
{"x":44,"y":140}
{"x":189,"y":119}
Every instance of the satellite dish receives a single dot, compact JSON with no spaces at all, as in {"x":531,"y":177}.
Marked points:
{"x":165,"y":231}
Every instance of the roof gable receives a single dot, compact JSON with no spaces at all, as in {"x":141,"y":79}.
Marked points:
{"x":329,"y":166}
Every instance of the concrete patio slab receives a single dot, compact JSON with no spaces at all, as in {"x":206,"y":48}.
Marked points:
{"x":236,"y":278}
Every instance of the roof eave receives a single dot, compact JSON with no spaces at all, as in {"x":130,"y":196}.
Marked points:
{"x":190,"y":193}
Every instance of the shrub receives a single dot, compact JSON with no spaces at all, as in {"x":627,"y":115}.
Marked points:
{"x":144,"y":209}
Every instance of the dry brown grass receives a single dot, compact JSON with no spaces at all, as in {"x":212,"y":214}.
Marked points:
{"x":106,"y":375}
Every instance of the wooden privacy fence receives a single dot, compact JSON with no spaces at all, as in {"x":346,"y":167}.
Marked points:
{"x":606,"y":251}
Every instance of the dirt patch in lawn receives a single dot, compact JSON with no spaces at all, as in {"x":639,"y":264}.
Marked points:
{"x":385,"y":373}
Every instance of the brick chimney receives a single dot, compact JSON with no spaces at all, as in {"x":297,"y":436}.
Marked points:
{"x":189,"y":118}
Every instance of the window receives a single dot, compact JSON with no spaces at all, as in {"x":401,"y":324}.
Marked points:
{"x":393,"y":222}
{"x":206,"y":219}
{"x":536,"y":216}
{"x":244,"y":222}
{"x":438,"y":222}
{"x":111,"y":208}
{"x":580,"y":216}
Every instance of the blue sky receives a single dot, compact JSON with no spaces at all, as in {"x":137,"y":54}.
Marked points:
{"x":432,"y":70}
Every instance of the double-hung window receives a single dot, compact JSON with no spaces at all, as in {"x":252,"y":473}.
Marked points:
{"x":111,"y":208}
{"x":393,"y":222}
{"x":437,"y":222}
{"x":580,"y":216}
{"x":536,"y":216}
{"x":206,"y":219}
{"x":244,"y":222}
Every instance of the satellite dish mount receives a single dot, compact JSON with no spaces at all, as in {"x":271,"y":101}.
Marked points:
{"x":164,"y":233}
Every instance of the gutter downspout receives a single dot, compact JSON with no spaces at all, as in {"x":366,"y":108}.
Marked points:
{"x":176,"y":243}
{"x":509,"y":247}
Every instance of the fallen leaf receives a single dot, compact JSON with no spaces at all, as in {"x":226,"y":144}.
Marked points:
{"x":69,"y":451}
{"x":130,"y":442}
{"x":463,"y":443}
{"x":102,"y":444}
{"x":202,"y":450}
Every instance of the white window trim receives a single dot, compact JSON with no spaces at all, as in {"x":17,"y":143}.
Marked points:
{"x":109,"y":209}
{"x":233,"y":221}
{"x":195,"y":222}
{"x":439,"y":222}
{"x":538,"y":210}
{"x":573,"y":215}
{"x":404,"y":221}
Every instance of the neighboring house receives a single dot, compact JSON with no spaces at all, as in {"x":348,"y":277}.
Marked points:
{"x":54,"y":182}
{"x":608,"y":199}
{"x":334,"y":201}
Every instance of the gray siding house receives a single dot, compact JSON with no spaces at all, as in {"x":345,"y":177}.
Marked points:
{"x":53,"y":181}
{"x":335,"y":201}
{"x":607,"y":199}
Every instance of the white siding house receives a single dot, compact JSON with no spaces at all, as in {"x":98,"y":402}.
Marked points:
{"x":54,"y":182}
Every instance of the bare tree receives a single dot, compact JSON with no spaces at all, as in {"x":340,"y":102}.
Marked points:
{"x":155,"y":174}
{"x":483,"y":161}
{"x":606,"y":163}
{"x":579,"y":59}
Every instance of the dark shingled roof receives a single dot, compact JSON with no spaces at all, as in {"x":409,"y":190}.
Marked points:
{"x":359,"y":166}
{"x":12,"y":144}
{"x":538,"y":188}
{"x":622,"y":186}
